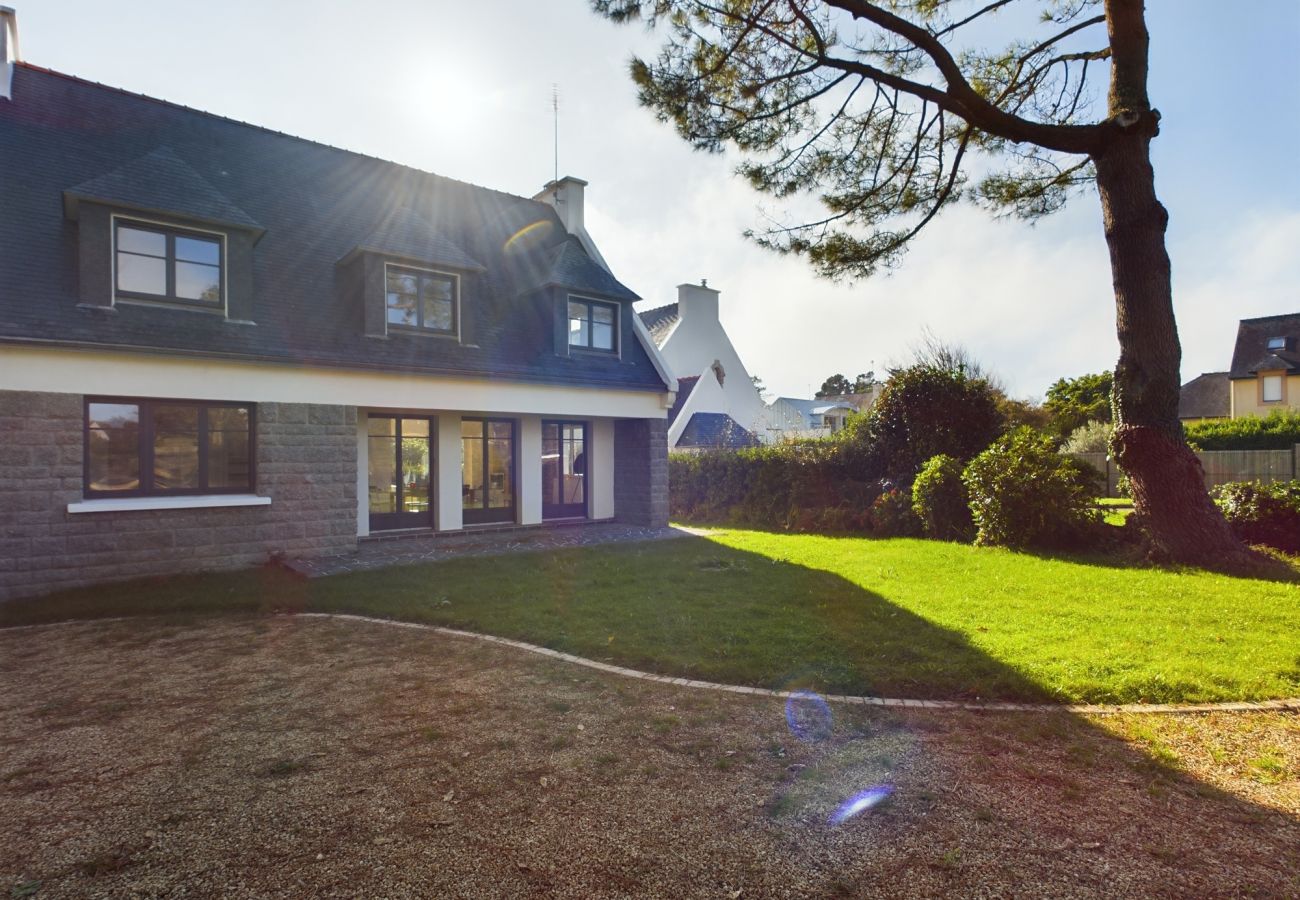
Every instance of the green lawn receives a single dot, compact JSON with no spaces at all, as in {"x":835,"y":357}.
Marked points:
{"x":906,"y":618}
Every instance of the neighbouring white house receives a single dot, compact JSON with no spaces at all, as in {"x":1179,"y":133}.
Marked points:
{"x":792,"y":417}
{"x":717,"y":404}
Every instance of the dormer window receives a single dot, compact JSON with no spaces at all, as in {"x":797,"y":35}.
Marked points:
{"x":1277,"y":343}
{"x":421,"y":300}
{"x":592,"y":324}
{"x":171,"y":265}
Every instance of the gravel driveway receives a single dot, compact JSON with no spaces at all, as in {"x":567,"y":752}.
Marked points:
{"x":291,"y":757}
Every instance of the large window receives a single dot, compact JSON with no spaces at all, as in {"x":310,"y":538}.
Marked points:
{"x":151,"y":447}
{"x":487,"y":470}
{"x":1271,"y":388}
{"x":592,"y":324}
{"x":420,"y":300}
{"x":154,"y":262}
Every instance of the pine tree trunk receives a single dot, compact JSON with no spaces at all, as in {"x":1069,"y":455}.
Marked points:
{"x":1165,"y":477}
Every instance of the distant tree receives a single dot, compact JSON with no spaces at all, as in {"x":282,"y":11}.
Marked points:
{"x":835,"y":386}
{"x":1074,"y":402}
{"x":882,"y":110}
{"x":759,"y":386}
{"x":1016,"y":413}
{"x":863,"y":382}
{"x":1093,"y":437}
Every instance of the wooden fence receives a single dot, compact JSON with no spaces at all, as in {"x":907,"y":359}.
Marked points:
{"x":1221,"y":466}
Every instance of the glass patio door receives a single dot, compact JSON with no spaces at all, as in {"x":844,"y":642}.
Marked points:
{"x":400,"y":466}
{"x":487,"y":470}
{"x":564,"y":470}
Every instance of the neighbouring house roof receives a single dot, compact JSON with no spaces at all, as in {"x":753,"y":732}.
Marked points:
{"x":816,"y":407}
{"x":715,"y":430}
{"x":315,"y":205}
{"x":660,"y":321}
{"x":684,"y":388}
{"x":1205,"y":397}
{"x":1252,"y":354}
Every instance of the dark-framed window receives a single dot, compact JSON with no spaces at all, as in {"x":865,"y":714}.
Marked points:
{"x":593,"y":324}
{"x":421,"y":299}
{"x":143,"y":448}
{"x":172,"y":265}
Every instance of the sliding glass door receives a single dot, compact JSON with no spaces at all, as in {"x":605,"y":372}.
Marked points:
{"x":564,"y":470}
{"x":399,"y":464}
{"x":487,"y":470}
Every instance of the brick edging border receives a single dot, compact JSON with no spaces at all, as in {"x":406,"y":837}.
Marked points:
{"x":1292,"y":704}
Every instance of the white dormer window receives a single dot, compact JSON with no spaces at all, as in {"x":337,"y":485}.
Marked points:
{"x":1277,"y":343}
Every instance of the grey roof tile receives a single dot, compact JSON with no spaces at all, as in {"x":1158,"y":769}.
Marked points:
{"x":715,"y":430}
{"x":660,"y":321}
{"x":1205,"y":397}
{"x":1251,"y":354}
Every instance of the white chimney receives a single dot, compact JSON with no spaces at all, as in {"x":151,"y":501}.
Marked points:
{"x":8,"y":50}
{"x":566,"y":197}
{"x":697,"y":302}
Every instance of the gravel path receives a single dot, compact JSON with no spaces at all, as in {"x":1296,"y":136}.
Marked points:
{"x":292,"y":756}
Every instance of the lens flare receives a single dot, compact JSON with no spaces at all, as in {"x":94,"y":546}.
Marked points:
{"x":809,"y":716}
{"x":529,"y":235}
{"x":860,"y":802}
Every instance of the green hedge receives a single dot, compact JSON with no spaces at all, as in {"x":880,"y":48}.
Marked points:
{"x":1279,"y":430}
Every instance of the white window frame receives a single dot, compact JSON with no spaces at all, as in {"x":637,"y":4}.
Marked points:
{"x":1277,"y":343}
{"x":418,"y":331}
{"x":222,"y":310}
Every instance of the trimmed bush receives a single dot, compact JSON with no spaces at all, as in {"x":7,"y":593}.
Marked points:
{"x":1279,"y":430}
{"x":923,"y":411}
{"x":1025,"y":494}
{"x":1262,"y":513}
{"x":940,"y":501}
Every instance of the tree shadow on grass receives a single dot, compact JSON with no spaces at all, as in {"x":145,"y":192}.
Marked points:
{"x":1017,"y":803}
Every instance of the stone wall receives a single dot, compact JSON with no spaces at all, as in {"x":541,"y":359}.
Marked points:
{"x":306,"y":464}
{"x":641,"y":471}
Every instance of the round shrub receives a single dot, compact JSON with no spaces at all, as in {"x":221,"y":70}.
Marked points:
{"x":1025,"y":494}
{"x":939,"y":500}
{"x":1094,"y":437}
{"x":1266,"y":514}
{"x":923,"y":411}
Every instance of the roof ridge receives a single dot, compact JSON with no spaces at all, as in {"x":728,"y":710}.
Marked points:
{"x":1290,"y":315}
{"x":264,"y":128}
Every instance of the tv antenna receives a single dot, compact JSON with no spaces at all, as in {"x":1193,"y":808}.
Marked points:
{"x":555,"y":116}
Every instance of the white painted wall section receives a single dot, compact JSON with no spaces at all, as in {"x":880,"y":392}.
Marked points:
{"x":600,"y":478}
{"x":530,"y":470}
{"x":447,"y":490}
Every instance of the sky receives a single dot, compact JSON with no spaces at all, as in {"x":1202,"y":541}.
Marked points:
{"x":464,"y":90}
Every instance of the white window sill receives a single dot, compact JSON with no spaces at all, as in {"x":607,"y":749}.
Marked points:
{"x":135,"y":504}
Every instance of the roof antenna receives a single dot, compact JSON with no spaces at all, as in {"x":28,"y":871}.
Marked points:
{"x":555,"y":115}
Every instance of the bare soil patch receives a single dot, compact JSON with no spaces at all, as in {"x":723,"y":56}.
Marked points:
{"x":287,"y":756}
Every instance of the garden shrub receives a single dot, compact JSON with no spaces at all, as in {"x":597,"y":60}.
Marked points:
{"x":924,"y":410}
{"x":1025,"y":494}
{"x":892,"y":516}
{"x":1093,"y":437}
{"x":1279,"y":430}
{"x":940,"y":501}
{"x":1263,"y":513}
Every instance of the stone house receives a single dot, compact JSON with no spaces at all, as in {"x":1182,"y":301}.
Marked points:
{"x":221,"y":344}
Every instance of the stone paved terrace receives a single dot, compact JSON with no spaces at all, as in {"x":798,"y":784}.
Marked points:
{"x":405,"y":550}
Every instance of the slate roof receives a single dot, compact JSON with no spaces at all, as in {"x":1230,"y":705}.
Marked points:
{"x":1251,"y":354}
{"x":405,"y":233}
{"x":1205,"y":397}
{"x":316,"y":203}
{"x":159,"y":182}
{"x":572,"y":268}
{"x":660,"y":321}
{"x":715,"y":430}
{"x":684,"y":388}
